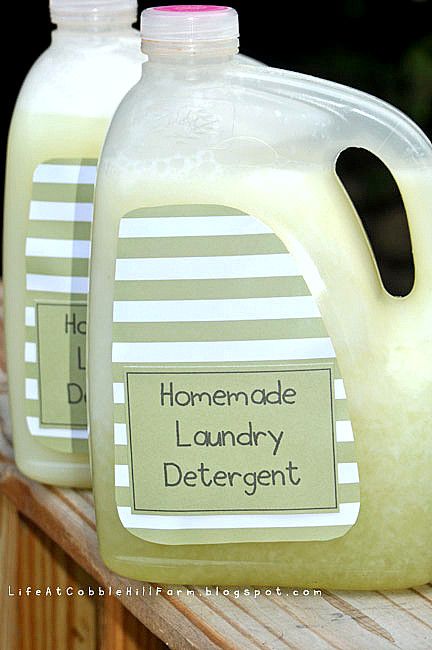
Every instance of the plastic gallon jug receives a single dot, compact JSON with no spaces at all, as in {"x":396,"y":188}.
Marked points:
{"x":57,"y":130}
{"x":260,"y":406}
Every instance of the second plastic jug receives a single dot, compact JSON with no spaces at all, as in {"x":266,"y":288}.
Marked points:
{"x":59,"y":123}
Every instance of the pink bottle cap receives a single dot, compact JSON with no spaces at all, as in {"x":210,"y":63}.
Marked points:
{"x":189,"y":23}
{"x":191,"y":8}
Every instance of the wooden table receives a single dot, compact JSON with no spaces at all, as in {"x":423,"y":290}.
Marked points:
{"x":48,"y":537}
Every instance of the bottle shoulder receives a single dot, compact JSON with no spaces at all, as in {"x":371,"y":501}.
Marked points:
{"x":79,"y":77}
{"x":255,"y":115}
{"x":158,"y":119}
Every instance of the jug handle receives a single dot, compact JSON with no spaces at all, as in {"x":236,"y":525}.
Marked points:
{"x":406,"y":151}
{"x":363,"y":121}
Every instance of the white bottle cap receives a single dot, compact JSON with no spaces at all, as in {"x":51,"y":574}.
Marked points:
{"x":189,"y":24}
{"x":96,"y":10}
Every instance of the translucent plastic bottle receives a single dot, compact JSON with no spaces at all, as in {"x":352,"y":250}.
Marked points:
{"x":260,"y":406}
{"x":57,"y":130}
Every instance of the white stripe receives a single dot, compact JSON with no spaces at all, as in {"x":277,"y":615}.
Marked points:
{"x":339,"y":387}
{"x":36,"y":430}
{"x":120,"y":434}
{"x":61,"y":211}
{"x":121,"y":473}
{"x":347,"y":515}
{"x":118,"y":393}
{"x":194,"y":268}
{"x":164,"y":311}
{"x":192,"y":226}
{"x":30,"y":316}
{"x":348,"y":473}
{"x":344,"y":432}
{"x":76,"y":174}
{"x":203,"y":351}
{"x":30,"y":353}
{"x":57,"y":283}
{"x":31,"y":389}
{"x":64,"y":248}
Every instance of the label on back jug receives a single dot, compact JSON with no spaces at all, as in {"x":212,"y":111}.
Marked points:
{"x":61,"y":346}
{"x":57,"y":257}
{"x":231,"y":420}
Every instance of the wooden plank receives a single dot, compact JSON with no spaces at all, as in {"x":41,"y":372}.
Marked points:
{"x":342,"y":630}
{"x":49,"y":622}
{"x":120,"y":630}
{"x":245,"y":622}
{"x":165,"y":616}
{"x":404,"y":612}
{"x":9,"y":525}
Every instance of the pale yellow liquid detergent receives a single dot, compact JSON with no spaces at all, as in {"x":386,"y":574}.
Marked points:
{"x":36,"y":138}
{"x":384,"y":349}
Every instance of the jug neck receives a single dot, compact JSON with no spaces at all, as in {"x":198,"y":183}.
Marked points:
{"x":75,"y":29}
{"x":169,"y":72}
{"x":191,"y":51}
{"x":161,"y":55}
{"x":91,"y":16}
{"x":109,"y":27}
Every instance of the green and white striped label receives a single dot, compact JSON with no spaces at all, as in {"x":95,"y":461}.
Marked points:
{"x":231,"y":420}
{"x":57,"y":257}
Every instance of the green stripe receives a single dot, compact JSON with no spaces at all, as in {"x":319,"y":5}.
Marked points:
{"x":239,"y":535}
{"x":32,"y":408}
{"x":119,"y":412}
{"x":121,"y":455}
{"x":56,"y":296}
{"x":64,"y":162}
{"x":210,"y":289}
{"x":341,"y":409}
{"x":31,"y":372}
{"x":123,"y":496}
{"x":31,"y":335}
{"x":118,"y":369}
{"x":349,"y":493}
{"x":70,"y":230}
{"x":345,"y":452}
{"x":219,"y":331}
{"x":64,"y":192}
{"x":184,"y":211}
{"x":58,"y":266}
{"x":199,"y":246}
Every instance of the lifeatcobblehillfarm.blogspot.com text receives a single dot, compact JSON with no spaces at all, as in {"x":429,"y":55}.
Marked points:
{"x":155,"y":591}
